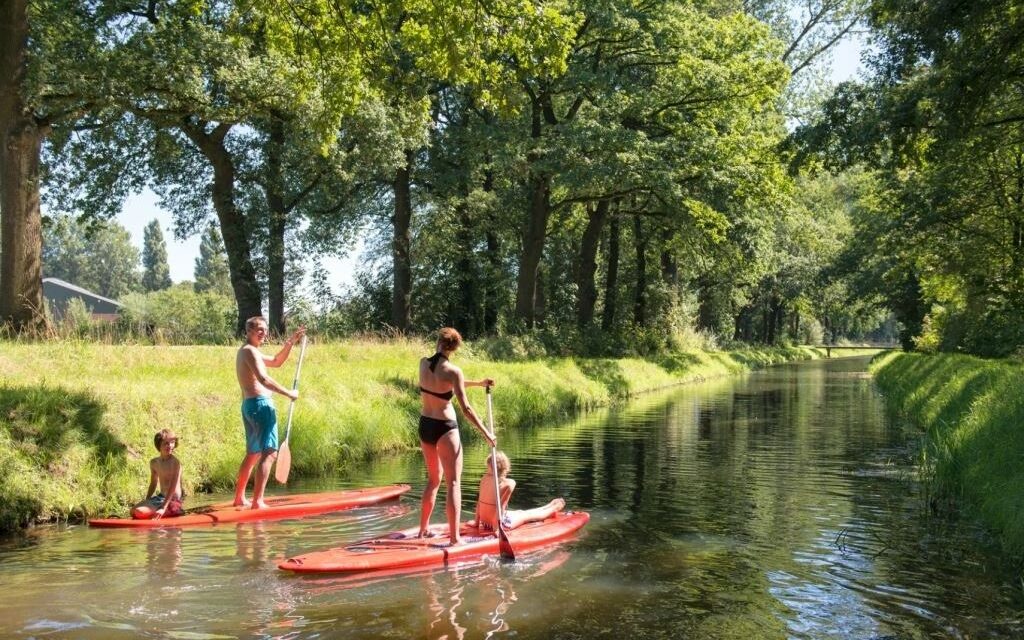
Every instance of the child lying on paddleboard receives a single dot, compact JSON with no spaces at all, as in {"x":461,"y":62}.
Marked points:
{"x":487,"y":515}
{"x":165,"y":469}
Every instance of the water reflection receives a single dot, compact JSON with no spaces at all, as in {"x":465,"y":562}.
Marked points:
{"x":163,"y":552}
{"x":251,"y":543}
{"x":444,"y":616}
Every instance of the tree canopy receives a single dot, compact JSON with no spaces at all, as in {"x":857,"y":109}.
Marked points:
{"x":608,"y":176}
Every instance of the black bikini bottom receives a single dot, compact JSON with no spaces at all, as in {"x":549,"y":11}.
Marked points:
{"x":431,"y":429}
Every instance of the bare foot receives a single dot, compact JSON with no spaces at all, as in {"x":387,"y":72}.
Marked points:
{"x":244,"y":502}
{"x":426,"y":534}
{"x":259,"y":504}
{"x":557,"y":503}
{"x":454,"y":541}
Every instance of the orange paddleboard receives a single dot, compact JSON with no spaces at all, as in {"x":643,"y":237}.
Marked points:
{"x":278,"y":508}
{"x":403,"y":549}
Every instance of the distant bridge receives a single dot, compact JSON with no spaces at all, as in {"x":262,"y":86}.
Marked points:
{"x":829,"y":347}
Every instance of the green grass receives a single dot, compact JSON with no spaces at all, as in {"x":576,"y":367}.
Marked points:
{"x":77,"y":419}
{"x":973,"y":411}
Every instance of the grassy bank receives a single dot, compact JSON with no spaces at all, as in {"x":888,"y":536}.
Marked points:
{"x":973,"y":410}
{"x":78,"y":418}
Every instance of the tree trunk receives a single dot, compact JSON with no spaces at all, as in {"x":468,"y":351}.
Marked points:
{"x":587,"y":267}
{"x":707,"y":305}
{"x":640,"y":299}
{"x":491,"y":281}
{"x":744,"y":331}
{"x":535,"y":230}
{"x":232,"y":222}
{"x":611,"y":284}
{"x":21,"y":137}
{"x":778,"y":319}
{"x":767,"y":324}
{"x":467,"y":299}
{"x":540,"y":301}
{"x":401,"y":294}
{"x":533,"y":249}
{"x":277,"y":225}
{"x":669,"y":268}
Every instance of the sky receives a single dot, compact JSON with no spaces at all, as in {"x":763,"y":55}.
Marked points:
{"x":139,"y":210}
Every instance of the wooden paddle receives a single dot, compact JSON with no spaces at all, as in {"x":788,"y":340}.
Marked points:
{"x":504,"y":546}
{"x":284,"y":454}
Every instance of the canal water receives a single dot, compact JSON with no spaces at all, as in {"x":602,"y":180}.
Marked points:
{"x":782,"y":504}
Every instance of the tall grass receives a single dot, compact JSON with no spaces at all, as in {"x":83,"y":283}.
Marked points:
{"x":973,"y":411}
{"x":77,"y":418}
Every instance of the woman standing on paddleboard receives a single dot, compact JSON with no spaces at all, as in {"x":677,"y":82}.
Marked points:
{"x":440,"y":380}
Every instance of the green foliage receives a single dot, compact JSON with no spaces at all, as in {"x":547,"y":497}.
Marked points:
{"x":98,"y":257}
{"x":77,"y":317}
{"x":57,"y":460}
{"x":156,"y":273}
{"x":972,"y":410}
{"x":179,"y":315}
{"x":211,"y":270}
{"x":298,"y":124}
{"x":941,"y":126}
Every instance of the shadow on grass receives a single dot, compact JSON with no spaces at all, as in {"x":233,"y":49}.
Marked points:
{"x":45,"y":421}
{"x":400,"y":392}
{"x":402,"y":387}
{"x":45,"y":424}
{"x":676,"y":363}
{"x":607,"y":373}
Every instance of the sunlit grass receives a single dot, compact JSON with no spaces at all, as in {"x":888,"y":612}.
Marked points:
{"x":78,"y":418}
{"x":973,"y":410}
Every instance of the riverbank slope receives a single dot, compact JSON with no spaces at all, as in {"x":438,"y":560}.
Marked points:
{"x":973,"y":411}
{"x":79,"y":418}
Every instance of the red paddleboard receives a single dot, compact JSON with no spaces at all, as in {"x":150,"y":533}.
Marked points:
{"x":403,"y":549}
{"x":278,"y":508}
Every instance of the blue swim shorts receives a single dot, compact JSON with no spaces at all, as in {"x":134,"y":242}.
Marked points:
{"x":173,"y":509}
{"x":260,"y":419}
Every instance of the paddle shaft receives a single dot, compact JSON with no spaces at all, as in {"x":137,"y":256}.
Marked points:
{"x":295,"y":385}
{"x":284,"y":454}
{"x":504,"y":545}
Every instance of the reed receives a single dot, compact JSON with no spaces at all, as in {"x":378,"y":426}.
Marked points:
{"x":973,"y":411}
{"x":79,"y":417}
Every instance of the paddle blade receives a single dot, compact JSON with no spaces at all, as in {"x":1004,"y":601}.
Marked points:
{"x":284,"y":463}
{"x":504,"y":546}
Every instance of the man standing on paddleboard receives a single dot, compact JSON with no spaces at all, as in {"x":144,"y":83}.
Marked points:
{"x":259,"y":417}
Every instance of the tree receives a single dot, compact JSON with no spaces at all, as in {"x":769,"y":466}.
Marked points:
{"x":669,"y":107}
{"x":211,"y":270}
{"x":810,"y":30}
{"x":156,"y":273}
{"x":53,"y":70}
{"x":99,"y":257}
{"x":942,"y":126}
{"x":21,"y":292}
{"x":180,"y":82}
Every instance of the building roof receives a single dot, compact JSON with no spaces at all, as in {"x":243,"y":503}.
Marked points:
{"x":67,"y":285}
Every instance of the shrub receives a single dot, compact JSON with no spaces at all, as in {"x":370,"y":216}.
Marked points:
{"x":179,"y":315}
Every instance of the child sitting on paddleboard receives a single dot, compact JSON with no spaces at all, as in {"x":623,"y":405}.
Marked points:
{"x":487,"y":515}
{"x":166,"y":469}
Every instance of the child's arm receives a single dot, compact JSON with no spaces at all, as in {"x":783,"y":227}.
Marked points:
{"x":476,"y":511}
{"x":152,"y":480}
{"x":475,"y":522}
{"x":508,"y":485}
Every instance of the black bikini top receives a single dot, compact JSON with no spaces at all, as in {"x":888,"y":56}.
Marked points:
{"x":433,"y":360}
